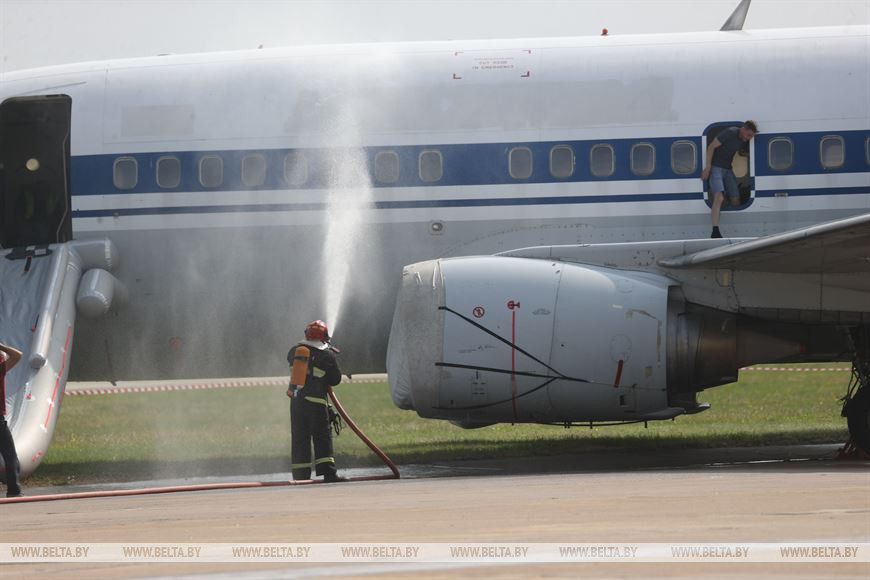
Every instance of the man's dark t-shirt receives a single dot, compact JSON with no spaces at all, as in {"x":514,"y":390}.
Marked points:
{"x":731,"y":143}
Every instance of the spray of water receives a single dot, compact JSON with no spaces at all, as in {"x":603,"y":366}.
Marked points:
{"x":350,"y":197}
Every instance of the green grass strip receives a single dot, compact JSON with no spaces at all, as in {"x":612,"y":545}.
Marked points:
{"x":247,"y":430}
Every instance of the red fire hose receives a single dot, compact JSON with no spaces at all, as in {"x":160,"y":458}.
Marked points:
{"x":387,"y":461}
{"x":229,"y":485}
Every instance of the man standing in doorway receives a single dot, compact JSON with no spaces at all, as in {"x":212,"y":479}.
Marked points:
{"x":9,"y":357}
{"x":309,"y":406}
{"x":720,"y":156}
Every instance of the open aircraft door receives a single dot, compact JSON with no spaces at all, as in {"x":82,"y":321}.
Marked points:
{"x":743,"y":167}
{"x":35,"y":204}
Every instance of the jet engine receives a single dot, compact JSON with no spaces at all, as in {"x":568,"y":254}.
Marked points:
{"x":482,"y":340}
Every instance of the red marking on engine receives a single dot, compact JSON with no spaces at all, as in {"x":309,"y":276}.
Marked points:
{"x":513,"y":339}
{"x":513,"y":358}
{"x":619,"y":366}
{"x":512,"y":304}
{"x":478,"y":312}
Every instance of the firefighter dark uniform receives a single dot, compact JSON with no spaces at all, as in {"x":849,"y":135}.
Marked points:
{"x":309,"y":412}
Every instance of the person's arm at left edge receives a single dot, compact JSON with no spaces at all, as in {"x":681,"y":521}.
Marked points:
{"x":13,"y":353}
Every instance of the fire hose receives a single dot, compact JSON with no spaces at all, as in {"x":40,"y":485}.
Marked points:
{"x":383,"y":456}
{"x":227,"y":485}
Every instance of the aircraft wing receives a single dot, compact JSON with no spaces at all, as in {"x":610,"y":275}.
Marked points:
{"x":837,"y":247}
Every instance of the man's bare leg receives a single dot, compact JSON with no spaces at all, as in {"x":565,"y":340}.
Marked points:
{"x":718,"y":199}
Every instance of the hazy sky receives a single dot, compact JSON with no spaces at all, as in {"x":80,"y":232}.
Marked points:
{"x":43,"y":32}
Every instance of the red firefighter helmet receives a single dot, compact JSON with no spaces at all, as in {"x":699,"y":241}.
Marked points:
{"x":317,"y":330}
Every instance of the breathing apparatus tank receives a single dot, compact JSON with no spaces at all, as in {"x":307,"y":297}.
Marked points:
{"x":300,"y":369}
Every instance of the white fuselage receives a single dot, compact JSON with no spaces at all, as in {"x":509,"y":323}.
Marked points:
{"x":471,"y":148}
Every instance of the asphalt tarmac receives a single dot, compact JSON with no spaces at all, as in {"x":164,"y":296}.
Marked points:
{"x":768,"y":494}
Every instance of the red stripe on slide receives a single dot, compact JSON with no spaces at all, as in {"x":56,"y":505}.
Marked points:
{"x":59,"y":375}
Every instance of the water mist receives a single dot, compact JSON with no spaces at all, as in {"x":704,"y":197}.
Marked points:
{"x":349,"y":200}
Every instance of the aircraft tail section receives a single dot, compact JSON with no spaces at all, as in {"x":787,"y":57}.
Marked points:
{"x":41,"y":290}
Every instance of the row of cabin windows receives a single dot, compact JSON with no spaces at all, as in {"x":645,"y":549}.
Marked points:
{"x":832,"y":152}
{"x":430,"y":166}
{"x":211,"y":170}
{"x":602,"y":160}
{"x":563,"y":162}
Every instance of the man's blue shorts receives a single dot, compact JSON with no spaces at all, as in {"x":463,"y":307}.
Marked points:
{"x":725,"y":181}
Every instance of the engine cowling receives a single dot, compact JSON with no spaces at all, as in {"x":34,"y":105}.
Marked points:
{"x":491,"y":339}
{"x":498,"y":339}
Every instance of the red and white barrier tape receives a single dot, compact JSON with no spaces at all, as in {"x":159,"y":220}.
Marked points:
{"x":282,"y":381}
{"x":798,"y":370}
{"x":145,"y":387}
{"x":110,"y":390}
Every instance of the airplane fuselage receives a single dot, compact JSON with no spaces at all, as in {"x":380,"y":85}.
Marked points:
{"x":216,"y":175}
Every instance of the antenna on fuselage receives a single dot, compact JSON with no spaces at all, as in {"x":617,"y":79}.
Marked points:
{"x":738,"y":17}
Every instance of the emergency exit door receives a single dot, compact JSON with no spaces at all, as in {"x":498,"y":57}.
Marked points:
{"x":35,"y":205}
{"x":743,"y":167}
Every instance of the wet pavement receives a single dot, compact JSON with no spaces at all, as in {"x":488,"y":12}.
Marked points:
{"x":609,"y":461}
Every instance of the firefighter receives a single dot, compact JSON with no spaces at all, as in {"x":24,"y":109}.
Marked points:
{"x":313,"y":369}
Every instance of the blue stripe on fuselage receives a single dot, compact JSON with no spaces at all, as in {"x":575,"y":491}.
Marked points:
{"x":468,"y":165}
{"x":463,"y":165}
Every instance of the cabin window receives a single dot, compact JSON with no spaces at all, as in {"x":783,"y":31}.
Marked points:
{"x":780,"y":153}
{"x":520,"y":163}
{"x":683,"y":158}
{"x":253,"y":170}
{"x":867,"y":150}
{"x":125,"y":174}
{"x":168,"y":172}
{"x":562,"y":161}
{"x":643,"y":159}
{"x":832,"y":151}
{"x":431,"y":166}
{"x":387,"y":167}
{"x":211,"y":171}
{"x":601,"y":160}
{"x":295,"y":169}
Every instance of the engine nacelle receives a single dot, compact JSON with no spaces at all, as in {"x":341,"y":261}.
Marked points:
{"x":492,"y":339}
{"x":498,"y":339}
